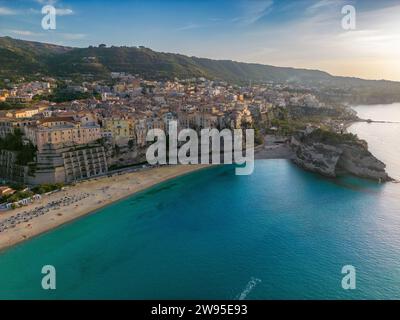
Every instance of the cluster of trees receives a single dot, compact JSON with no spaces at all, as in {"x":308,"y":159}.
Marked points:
{"x":62,"y":95}
{"x":16,"y":196}
{"x":26,"y":152}
{"x":258,"y":137}
{"x":44,"y":188}
{"x":11,"y":106}
{"x":333,"y":138}
{"x":23,"y":193}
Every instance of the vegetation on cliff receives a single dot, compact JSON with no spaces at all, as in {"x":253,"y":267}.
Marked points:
{"x":332,"y":138}
{"x":26,"y":151}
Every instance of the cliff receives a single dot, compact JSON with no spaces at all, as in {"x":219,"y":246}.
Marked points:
{"x":330,"y":154}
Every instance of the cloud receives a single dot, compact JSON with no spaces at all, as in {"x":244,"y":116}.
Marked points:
{"x":56,"y":37}
{"x":25,"y":33}
{"x":253,"y":11}
{"x":73,"y":36}
{"x":59,"y":11}
{"x":44,"y":2}
{"x":64,"y":12}
{"x":320,"y":42}
{"x":206,"y":24}
{"x":7,"y":11}
{"x":325,"y":4}
{"x":189,"y":27}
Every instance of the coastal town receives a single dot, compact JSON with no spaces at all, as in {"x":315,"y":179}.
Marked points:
{"x":169,"y":152}
{"x":101,"y":126}
{"x":63,"y":142}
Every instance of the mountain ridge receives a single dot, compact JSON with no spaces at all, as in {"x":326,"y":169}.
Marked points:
{"x":21,"y":58}
{"x":44,"y":50}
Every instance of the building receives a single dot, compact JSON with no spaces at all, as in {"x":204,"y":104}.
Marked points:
{"x":206,"y":120}
{"x":120,"y":128}
{"x":155,"y":123}
{"x":168,"y":117}
{"x":187,"y":120}
{"x":20,"y":98}
{"x":141,"y":132}
{"x":59,"y":130}
{"x":25,"y":113}
{"x":9,"y":169}
{"x":67,"y":150}
{"x":241,"y":118}
{"x":8,"y":126}
{"x":68,"y":163}
{"x":5,"y":191}
{"x":3,"y":95}
{"x":107,"y":96}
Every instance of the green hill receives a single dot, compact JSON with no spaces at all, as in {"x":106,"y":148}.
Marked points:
{"x":26,"y":58}
{"x":20,"y":57}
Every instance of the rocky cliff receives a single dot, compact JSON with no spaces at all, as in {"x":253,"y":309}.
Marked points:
{"x":330,"y":154}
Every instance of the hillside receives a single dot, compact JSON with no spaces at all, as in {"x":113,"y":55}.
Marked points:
{"x":24,"y":57}
{"x":156,"y":65}
{"x":18,"y":57}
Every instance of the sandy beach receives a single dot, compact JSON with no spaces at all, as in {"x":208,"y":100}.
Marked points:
{"x":88,"y":196}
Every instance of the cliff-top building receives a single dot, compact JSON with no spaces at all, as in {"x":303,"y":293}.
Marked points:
{"x":60,"y":130}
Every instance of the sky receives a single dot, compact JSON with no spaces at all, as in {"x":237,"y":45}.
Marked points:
{"x":296,"y":33}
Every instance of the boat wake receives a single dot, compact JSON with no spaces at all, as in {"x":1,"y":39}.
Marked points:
{"x":250,"y":286}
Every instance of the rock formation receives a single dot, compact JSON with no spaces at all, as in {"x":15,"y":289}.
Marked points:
{"x":330,"y":154}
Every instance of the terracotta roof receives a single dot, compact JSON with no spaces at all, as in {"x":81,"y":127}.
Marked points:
{"x":56,"y":119}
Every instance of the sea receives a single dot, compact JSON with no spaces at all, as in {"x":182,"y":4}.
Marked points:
{"x":280,"y":233}
{"x":383,"y":138}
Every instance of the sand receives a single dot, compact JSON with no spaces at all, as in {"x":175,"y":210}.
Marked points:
{"x":102,"y":192}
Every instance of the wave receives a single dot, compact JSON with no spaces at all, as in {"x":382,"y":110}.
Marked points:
{"x":250,"y":286}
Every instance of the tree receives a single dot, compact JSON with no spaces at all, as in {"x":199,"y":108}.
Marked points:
{"x":131,"y":144}
{"x":117,"y":150}
{"x":14,"y":142}
{"x":259,"y":139}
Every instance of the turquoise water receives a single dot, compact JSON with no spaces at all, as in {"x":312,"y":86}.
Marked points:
{"x":383,"y":138}
{"x":280,"y":233}
{"x":206,"y":235}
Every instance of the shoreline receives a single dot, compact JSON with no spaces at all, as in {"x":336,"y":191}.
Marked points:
{"x":101,"y":192}
{"x":89,"y":196}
